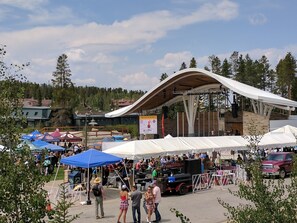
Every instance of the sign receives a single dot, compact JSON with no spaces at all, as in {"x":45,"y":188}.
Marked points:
{"x":148,"y":124}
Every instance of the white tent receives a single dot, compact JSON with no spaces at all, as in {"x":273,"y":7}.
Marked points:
{"x":173,"y":145}
{"x":277,"y":139}
{"x":216,"y":143}
{"x":136,"y":150}
{"x":287,"y":129}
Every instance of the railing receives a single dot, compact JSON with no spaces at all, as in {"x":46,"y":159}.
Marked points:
{"x":220,"y":178}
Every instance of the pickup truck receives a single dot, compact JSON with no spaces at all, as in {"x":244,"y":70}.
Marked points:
{"x":278,"y":164}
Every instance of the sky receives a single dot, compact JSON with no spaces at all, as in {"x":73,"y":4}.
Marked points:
{"x":129,"y":43}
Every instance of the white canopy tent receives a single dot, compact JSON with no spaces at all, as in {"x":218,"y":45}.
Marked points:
{"x":287,"y":129}
{"x":136,"y":150}
{"x":216,"y":143}
{"x":177,"y":145}
{"x":277,"y":140}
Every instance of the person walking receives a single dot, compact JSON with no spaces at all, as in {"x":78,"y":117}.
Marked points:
{"x":98,"y":193}
{"x":124,"y":203}
{"x":149,"y":202}
{"x":136,"y":197}
{"x":157,"y":195}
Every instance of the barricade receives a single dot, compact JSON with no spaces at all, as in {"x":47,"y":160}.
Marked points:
{"x":219,"y":178}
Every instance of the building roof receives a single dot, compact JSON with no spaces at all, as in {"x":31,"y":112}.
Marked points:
{"x":195,"y":80}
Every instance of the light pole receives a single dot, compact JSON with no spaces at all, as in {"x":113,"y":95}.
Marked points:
{"x":88,"y":202}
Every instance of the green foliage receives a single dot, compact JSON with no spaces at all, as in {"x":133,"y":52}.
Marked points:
{"x":267,"y":200}
{"x":193,"y":63}
{"x":61,"y":211}
{"x":21,"y":184}
{"x":286,"y":70}
{"x":62,"y":82}
{"x":178,"y":214}
{"x":263,"y":200}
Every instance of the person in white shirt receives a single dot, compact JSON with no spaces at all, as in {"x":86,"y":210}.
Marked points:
{"x":157,"y":195}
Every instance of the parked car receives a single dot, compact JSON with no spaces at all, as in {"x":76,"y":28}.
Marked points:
{"x":278,"y":164}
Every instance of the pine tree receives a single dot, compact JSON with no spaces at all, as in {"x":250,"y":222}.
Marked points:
{"x":226,"y":70}
{"x":193,"y":63}
{"x":163,"y":76}
{"x":62,"y":82}
{"x":183,"y":66}
{"x":286,"y":71}
{"x":61,"y":210}
{"x":215,"y":64}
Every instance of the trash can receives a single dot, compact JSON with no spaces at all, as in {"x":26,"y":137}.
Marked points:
{"x":74,"y":178}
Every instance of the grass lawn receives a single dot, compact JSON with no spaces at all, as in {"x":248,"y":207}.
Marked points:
{"x":60,"y":175}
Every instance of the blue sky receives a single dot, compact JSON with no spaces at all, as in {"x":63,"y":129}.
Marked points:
{"x":129,"y":43}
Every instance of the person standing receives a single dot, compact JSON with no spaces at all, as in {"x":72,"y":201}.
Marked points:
{"x":157,"y":195}
{"x":98,"y":193}
{"x":124,"y":203}
{"x":136,"y":197}
{"x":149,"y":202}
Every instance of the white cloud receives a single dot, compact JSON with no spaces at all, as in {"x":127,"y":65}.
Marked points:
{"x":23,"y":4}
{"x":173,"y":60}
{"x":138,"y":81}
{"x":257,"y":19}
{"x":76,"y":54}
{"x":44,"y":16}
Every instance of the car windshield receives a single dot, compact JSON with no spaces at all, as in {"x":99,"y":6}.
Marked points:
{"x":276,"y":157}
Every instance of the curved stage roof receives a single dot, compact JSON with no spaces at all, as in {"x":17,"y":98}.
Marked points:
{"x":198,"y":81}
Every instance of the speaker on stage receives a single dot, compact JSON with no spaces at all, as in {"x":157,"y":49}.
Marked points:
{"x":193,"y":166}
{"x":165,"y":111}
{"x":234,"y":110}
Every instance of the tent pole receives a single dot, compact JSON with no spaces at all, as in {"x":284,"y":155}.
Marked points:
{"x":54,"y":179}
{"x":88,"y":188}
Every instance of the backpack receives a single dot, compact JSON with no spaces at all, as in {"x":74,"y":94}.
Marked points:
{"x":97,"y":191}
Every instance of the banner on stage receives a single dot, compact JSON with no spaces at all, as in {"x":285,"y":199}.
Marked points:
{"x":148,"y":124}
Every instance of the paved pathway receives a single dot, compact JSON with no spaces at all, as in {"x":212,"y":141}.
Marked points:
{"x":200,"y":207}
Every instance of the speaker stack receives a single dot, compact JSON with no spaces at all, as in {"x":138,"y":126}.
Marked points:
{"x":193,"y":166}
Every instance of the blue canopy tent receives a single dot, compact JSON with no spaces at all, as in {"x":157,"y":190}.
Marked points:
{"x":32,"y":136}
{"x":91,"y":158}
{"x":42,"y":145}
{"x":88,"y":159}
{"x":30,"y":144}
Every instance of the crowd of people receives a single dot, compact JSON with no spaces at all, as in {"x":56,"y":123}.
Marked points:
{"x":152,"y":199}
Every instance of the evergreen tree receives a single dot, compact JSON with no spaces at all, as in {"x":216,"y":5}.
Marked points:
{"x":163,"y":76}
{"x":62,"y":82}
{"x":226,"y":70}
{"x":215,"y":64}
{"x":63,"y":92}
{"x":193,"y":63}
{"x":286,"y":71}
{"x":61,"y":211}
{"x":183,"y":66}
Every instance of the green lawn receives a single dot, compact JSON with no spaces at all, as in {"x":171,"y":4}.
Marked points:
{"x":60,"y":175}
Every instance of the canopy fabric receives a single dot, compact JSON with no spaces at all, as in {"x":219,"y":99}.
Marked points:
{"x":49,"y":146}
{"x":287,"y":129}
{"x":68,"y":137}
{"x":32,"y":136}
{"x":91,"y":158}
{"x":47,"y":138}
{"x":216,"y":143}
{"x":30,"y":144}
{"x":137,"y":149}
{"x":56,"y":133}
{"x":199,"y":79}
{"x":277,"y":140}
